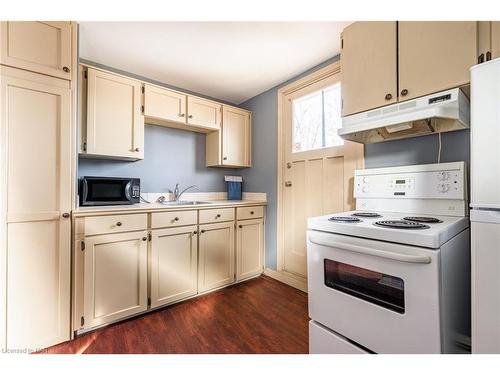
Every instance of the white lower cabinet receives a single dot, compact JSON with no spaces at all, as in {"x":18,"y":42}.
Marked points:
{"x":249,"y":248}
{"x":216,"y":252}
{"x":174,"y":264}
{"x":115,"y":277}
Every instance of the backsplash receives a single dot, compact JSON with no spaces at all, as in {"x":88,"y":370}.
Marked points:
{"x":170,"y":156}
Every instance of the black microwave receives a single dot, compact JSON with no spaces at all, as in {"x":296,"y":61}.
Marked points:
{"x":105,"y":191}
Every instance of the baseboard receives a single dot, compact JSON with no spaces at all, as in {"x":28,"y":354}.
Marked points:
{"x":287,"y":278}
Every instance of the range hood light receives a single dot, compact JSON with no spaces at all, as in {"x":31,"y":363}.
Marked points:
{"x":399,"y":127}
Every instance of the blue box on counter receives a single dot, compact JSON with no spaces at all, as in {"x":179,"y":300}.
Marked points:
{"x":234,"y":187}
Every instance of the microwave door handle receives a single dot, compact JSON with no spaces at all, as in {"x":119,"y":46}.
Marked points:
{"x":318,"y":240}
{"x":128,"y":191}
{"x":85,"y":190}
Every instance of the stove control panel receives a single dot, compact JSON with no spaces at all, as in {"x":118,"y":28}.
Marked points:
{"x":431,"y":181}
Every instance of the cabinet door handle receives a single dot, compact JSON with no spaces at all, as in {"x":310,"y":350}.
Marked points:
{"x":388,"y":97}
{"x":240,"y":226}
{"x":251,"y":212}
{"x":217,"y":216}
{"x":144,"y":238}
{"x":176,"y":219}
{"x":119,"y":224}
{"x":195,"y":232}
{"x":224,"y":158}
{"x":66,"y":69}
{"x":137,"y":149}
{"x":181,"y":115}
{"x":404,"y":92}
{"x":190,"y":116}
{"x":202,"y":231}
{"x":65,"y":215}
{"x":288,"y":183}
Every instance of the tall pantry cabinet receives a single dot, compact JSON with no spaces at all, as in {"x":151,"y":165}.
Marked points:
{"x":37,"y":83}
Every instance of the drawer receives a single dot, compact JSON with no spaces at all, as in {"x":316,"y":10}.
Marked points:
{"x":216,"y":215}
{"x":173,"y":219}
{"x":249,"y":212}
{"x":115,"y":223}
{"x":324,"y":341}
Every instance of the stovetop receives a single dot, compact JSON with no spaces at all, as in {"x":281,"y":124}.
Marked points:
{"x":418,"y":230}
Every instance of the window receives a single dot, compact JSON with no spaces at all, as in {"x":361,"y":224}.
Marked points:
{"x":316,"y":120}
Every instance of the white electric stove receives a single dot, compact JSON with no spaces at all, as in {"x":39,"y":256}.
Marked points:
{"x":394,"y":275}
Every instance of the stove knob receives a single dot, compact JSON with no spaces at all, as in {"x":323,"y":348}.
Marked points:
{"x":365,"y":189}
{"x":443,"y":176}
{"x":443,"y":188}
{"x":365,"y":179}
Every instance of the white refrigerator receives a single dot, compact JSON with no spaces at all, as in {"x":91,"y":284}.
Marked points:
{"x":485,"y":206}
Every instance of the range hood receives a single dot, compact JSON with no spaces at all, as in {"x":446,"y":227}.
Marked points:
{"x":437,"y":113}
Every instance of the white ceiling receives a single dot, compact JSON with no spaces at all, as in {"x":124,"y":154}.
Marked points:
{"x":232,"y":61}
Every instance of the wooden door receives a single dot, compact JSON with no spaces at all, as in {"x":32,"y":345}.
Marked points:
{"x":495,"y":39}
{"x":164,"y":105}
{"x":115,"y":124}
{"x":318,"y":167}
{"x":174,"y":264}
{"x":236,"y":137}
{"x":216,"y":255}
{"x":249,"y":248}
{"x":115,"y":277}
{"x":35,"y":141}
{"x":204,"y":113}
{"x":435,"y":56}
{"x":369,"y":66}
{"x":41,"y":47}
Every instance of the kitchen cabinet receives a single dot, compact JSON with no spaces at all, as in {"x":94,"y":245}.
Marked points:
{"x":113,"y":125}
{"x":202,"y":113}
{"x":388,"y":62}
{"x":40,"y":47}
{"x":249,"y":248}
{"x":35,"y":225}
{"x":434,"y":56}
{"x":495,"y":39}
{"x":164,"y":105}
{"x":174,"y":264}
{"x":368,"y":66}
{"x":216,"y":255}
{"x":115,"y":276}
{"x":232,"y":147}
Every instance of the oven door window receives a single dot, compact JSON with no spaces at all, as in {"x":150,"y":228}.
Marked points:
{"x":375,"y":287}
{"x":106,"y":191}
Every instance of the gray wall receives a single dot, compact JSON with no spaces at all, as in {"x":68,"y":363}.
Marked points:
{"x":170,"y":156}
{"x":262,"y":176}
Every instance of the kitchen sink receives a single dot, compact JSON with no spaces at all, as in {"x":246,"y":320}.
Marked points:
{"x":182,"y":203}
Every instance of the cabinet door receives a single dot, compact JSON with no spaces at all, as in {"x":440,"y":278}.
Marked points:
{"x":249,"y":248}
{"x":369,"y":66}
{"x":35,"y":142}
{"x":203,"y":113}
{"x":236,"y":137}
{"x":115,"y":124}
{"x":435,"y":56}
{"x":42,"y":47}
{"x":216,"y":249}
{"x":495,"y":39}
{"x":174,"y":264}
{"x":115,"y":277}
{"x":162,"y":104}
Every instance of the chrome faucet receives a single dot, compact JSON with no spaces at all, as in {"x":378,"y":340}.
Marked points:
{"x":178,"y":195}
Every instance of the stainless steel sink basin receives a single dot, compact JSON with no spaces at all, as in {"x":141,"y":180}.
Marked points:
{"x":182,"y":203}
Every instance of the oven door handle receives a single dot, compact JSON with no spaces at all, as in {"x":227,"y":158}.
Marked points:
{"x":318,"y":240}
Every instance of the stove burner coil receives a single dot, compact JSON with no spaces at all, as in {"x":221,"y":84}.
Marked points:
{"x":344,"y":219}
{"x":400,"y":224}
{"x":366,"y":214}
{"x":422,"y":219}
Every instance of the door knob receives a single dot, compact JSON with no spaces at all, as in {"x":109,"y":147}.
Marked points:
{"x":288,"y":183}
{"x":404,"y":92}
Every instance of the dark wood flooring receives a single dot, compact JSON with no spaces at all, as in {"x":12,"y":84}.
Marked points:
{"x":257,"y":316}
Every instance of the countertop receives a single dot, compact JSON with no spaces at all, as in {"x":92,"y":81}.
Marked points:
{"x":148,"y":207}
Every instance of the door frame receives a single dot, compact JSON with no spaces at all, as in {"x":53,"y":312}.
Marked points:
{"x":310,"y":79}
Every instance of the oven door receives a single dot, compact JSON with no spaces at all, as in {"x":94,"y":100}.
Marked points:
{"x":102,"y":191}
{"x":384,"y":296}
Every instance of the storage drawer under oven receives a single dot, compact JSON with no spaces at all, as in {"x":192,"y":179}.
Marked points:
{"x":324,"y":341}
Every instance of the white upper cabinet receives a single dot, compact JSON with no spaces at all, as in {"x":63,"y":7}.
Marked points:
{"x":162,"y":104}
{"x":114,"y":120}
{"x":204,"y":113}
{"x":231,"y":147}
{"x":41,"y":47}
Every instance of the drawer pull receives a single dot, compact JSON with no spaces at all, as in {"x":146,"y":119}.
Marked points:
{"x":66,"y":69}
{"x":119,"y":224}
{"x":240,"y":226}
{"x":176,"y":218}
{"x":195,"y":232}
{"x":217,"y":216}
{"x":190,"y":116}
{"x":144,"y":238}
{"x":251,"y":212}
{"x":202,"y":231}
{"x":404,"y":92}
{"x":65,"y":215}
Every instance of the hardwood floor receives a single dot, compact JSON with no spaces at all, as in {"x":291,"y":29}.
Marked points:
{"x":257,"y":316}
